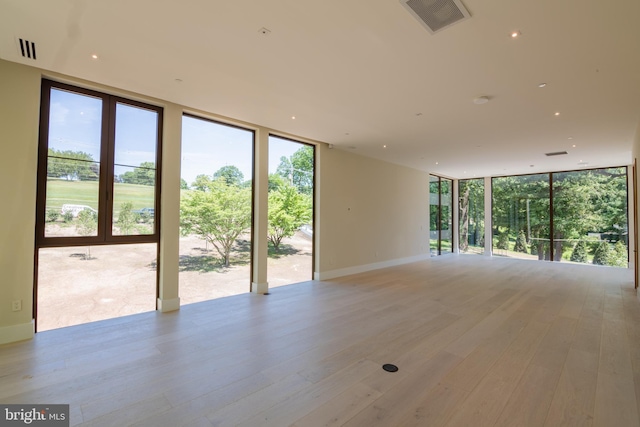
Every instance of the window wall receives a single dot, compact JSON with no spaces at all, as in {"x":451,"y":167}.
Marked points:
{"x":98,"y":187}
{"x":290,"y":226}
{"x":471,"y":216}
{"x":575,"y":216}
{"x":440,"y":215}
{"x":215,"y":210}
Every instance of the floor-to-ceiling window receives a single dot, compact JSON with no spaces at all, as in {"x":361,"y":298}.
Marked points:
{"x":471,"y":216}
{"x":290,"y":207}
{"x":215,"y":210}
{"x":98,"y":188}
{"x":440,"y":215}
{"x":575,"y":216}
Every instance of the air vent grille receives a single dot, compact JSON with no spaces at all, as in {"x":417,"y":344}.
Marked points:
{"x":436,"y":15}
{"x":556,"y":153}
{"x":27,"y":48}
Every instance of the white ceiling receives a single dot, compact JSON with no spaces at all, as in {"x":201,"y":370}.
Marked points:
{"x":356,"y":73}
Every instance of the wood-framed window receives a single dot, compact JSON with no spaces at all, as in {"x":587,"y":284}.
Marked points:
{"x":98,"y":168}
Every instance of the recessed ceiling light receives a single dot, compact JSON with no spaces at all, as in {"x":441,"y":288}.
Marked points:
{"x":293,"y":117}
{"x":94,"y":56}
{"x":574,"y":145}
{"x":481,"y":100}
{"x":515,"y":34}
{"x":570,"y":137}
{"x":264,"y":31}
{"x":437,"y":163}
{"x":418,"y":114}
{"x":178,"y":80}
{"x":384,"y":146}
{"x":542,"y":85}
{"x":556,"y":113}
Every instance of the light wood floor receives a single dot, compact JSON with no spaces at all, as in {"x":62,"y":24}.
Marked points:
{"x":478,"y":341}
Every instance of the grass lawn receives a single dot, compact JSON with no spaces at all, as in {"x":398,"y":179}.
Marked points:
{"x":60,"y":192}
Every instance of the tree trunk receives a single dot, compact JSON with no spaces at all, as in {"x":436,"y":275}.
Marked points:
{"x":557,"y":247}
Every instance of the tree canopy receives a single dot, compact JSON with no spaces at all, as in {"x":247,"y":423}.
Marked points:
{"x":288,"y":210}
{"x":145,"y":174}
{"x":72,"y":165}
{"x":218,"y":213}
{"x":231,"y":174}
{"x":298,"y":169}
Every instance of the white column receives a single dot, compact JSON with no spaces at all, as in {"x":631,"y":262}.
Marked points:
{"x":488,"y":238}
{"x":259,"y":283}
{"x":169,"y":255}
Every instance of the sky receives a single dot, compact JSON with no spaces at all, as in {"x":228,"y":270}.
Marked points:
{"x":207,"y":146}
{"x":75,"y":124}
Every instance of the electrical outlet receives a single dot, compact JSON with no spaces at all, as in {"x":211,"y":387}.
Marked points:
{"x":16,"y":305}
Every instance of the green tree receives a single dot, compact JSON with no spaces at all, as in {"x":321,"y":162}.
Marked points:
{"x":201,"y":182}
{"x":126,"y":218}
{"x":521,"y":243}
{"x":219,"y":214}
{"x":298,"y":169}
{"x":71,"y":165}
{"x":288,"y":210}
{"x":231,"y":174}
{"x":602,"y":256}
{"x":471,"y":212}
{"x":145,"y":174}
{"x":87,"y":225}
{"x":183,"y":184}
{"x":276,"y":182}
{"x":580,"y":253}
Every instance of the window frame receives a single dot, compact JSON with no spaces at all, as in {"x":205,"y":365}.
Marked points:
{"x":106,"y":179}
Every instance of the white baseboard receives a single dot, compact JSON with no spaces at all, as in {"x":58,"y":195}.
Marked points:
{"x":259,"y":288}
{"x":20,"y":332}
{"x":332,"y":274}
{"x":167,"y":305}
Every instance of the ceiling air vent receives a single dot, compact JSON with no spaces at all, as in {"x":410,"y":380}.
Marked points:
{"x":556,"y":153}
{"x":26,"y":48}
{"x":436,"y":15}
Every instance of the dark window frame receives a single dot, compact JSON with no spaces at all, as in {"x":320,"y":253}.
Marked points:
{"x":106,"y":178}
{"x":551,"y":198}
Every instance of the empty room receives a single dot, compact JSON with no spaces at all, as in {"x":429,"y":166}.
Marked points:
{"x":362,"y":213}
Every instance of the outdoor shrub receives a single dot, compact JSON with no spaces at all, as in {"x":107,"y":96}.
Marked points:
{"x":580,"y":253}
{"x":603,"y":254}
{"x":52,"y":216}
{"x":503,"y":241}
{"x":619,"y":257}
{"x":67,"y":217}
{"x":521,"y":243}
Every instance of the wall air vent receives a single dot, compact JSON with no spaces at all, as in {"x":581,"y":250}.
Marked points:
{"x":26,"y":48}
{"x":436,"y":15}
{"x":556,"y":153}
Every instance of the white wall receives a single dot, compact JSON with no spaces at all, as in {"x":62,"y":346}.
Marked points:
{"x":373,"y":214}
{"x":19,"y":115}
{"x":369,"y":213}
